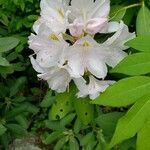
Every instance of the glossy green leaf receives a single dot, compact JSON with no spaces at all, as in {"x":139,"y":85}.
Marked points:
{"x":140,"y":43}
{"x":62,"y":106}
{"x":134,"y":65}
{"x":124,"y":92}
{"x":143,"y":21}
{"x":133,"y":121}
{"x":3,"y":61}
{"x":2,"y":129}
{"x":8,"y":43}
{"x":143,"y":137}
{"x":84,"y":110}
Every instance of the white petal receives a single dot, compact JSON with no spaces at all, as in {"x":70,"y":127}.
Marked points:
{"x":76,"y":28}
{"x":100,"y":9}
{"x":36,"y":66}
{"x":82,"y":87}
{"x":120,"y":38}
{"x":96,"y":25}
{"x":81,"y":4}
{"x":54,"y":14}
{"x":37,"y":25}
{"x":58,"y":79}
{"x":75,"y":62}
{"x":110,"y":27}
{"x":97,"y":67}
{"x":97,"y":86}
{"x":114,"y":57}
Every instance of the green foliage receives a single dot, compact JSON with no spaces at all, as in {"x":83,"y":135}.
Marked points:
{"x":124,"y":92}
{"x":134,"y":65}
{"x":133,"y":121}
{"x":143,"y":137}
{"x":140,"y":43}
{"x":143,"y":22}
{"x":84,"y":110}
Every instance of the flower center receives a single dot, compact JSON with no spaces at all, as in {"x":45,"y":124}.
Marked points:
{"x":85,"y":44}
{"x":53,"y":37}
{"x":60,"y":11}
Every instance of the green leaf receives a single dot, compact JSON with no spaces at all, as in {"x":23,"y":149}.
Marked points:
{"x":22,"y":120}
{"x":16,"y":111}
{"x":87,"y":138}
{"x":84,"y":110}
{"x":129,"y":144}
{"x":67,"y":119}
{"x":2,"y":129}
{"x":54,"y":125}
{"x":143,"y":137}
{"x":107,"y":122}
{"x":48,"y":100}
{"x":24,"y":107}
{"x":52,"y":137}
{"x":134,"y":65}
{"x":62,"y":106}
{"x":133,"y":121}
{"x":143,"y":21}
{"x":3,"y":61}
{"x":124,"y":92}
{"x":140,"y":43}
{"x":73,"y":144}
{"x":60,"y":143}
{"x":77,"y":126}
{"x":20,"y":82}
{"x":117,"y":12}
{"x":8,"y":43}
{"x":16,"y":129}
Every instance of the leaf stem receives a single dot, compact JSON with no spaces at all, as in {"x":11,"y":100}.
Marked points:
{"x":133,"y":5}
{"x":128,"y":7}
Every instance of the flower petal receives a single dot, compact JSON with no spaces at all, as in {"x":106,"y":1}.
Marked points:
{"x":36,"y":66}
{"x":120,"y":38}
{"x":96,"y":66}
{"x":58,"y":79}
{"x":76,"y":28}
{"x":82,"y":86}
{"x":96,"y":25}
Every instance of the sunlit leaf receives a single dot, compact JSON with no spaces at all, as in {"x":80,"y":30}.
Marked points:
{"x":133,"y":121}
{"x":136,"y":64}
{"x":124,"y":92}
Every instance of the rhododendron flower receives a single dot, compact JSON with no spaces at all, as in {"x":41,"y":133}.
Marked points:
{"x":58,"y":61}
{"x":54,"y":14}
{"x":90,"y":17}
{"x":93,"y":89}
{"x":86,"y":55}
{"x":58,"y":78}
{"x":48,"y":46}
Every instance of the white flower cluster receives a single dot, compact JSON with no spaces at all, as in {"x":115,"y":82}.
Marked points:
{"x":83,"y":60}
